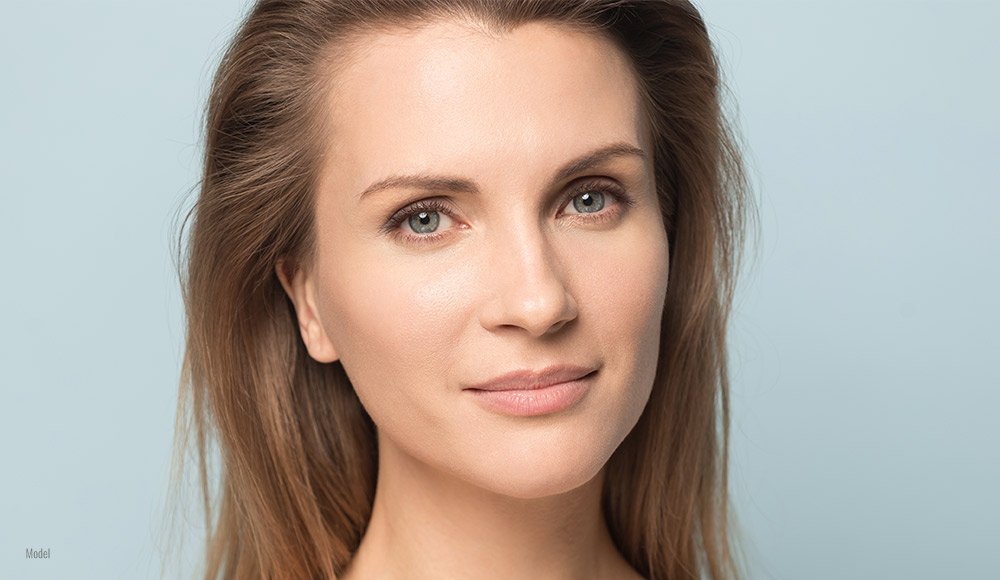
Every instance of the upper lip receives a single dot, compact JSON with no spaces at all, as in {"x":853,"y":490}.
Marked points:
{"x":526,"y":379}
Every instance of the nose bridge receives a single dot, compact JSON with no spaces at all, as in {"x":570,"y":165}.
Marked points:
{"x":531,"y":291}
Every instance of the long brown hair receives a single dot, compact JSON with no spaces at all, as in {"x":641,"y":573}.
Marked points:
{"x":297,"y":449}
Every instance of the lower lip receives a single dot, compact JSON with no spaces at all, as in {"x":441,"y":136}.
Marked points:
{"x":525,"y":403}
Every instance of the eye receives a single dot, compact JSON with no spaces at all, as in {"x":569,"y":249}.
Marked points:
{"x":590,"y":201}
{"x":424,"y":221}
{"x":596,"y":198}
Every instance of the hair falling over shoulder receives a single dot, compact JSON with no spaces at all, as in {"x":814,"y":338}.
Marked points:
{"x":296,"y":451}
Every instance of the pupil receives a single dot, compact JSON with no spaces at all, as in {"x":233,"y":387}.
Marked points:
{"x":424,"y":218}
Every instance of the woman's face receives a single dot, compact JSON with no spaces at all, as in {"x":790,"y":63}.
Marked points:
{"x":479,"y":255}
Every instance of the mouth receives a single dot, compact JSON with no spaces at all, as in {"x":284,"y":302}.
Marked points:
{"x":530,"y":393}
{"x":531,"y":380}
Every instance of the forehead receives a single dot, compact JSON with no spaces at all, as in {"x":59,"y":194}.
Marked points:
{"x":449,"y":94}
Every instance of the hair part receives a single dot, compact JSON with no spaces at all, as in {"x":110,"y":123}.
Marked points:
{"x":298,"y":451}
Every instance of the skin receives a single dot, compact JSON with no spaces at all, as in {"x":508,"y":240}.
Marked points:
{"x":518,"y":278}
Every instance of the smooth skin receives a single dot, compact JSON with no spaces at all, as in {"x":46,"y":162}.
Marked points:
{"x":519,"y":274}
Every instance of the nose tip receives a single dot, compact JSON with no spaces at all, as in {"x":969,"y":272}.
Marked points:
{"x":530,"y":292}
{"x":537,"y":309}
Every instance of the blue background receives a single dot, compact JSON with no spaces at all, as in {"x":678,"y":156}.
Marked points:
{"x":865,"y":376}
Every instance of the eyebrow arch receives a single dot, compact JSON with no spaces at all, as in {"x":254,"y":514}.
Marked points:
{"x":460,"y":185}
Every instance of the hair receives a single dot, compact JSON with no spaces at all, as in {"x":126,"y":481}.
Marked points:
{"x":298,"y":451}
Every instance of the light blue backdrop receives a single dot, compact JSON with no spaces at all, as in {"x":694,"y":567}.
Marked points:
{"x":865,"y":376}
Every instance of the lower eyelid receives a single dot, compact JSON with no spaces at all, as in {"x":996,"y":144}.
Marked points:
{"x":606,"y":213}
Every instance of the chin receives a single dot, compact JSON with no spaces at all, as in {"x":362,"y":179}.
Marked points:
{"x":527,"y":475}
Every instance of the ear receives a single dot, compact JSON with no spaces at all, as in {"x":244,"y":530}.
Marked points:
{"x":301,"y":289}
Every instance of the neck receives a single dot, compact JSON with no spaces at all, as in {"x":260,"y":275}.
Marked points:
{"x":428,"y":524}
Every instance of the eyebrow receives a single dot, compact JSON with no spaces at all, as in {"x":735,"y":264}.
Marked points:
{"x":461,"y":185}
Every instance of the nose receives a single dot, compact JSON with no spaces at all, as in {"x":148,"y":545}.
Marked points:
{"x":526,"y":286}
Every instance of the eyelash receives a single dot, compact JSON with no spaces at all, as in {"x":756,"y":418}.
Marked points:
{"x":616,"y":191}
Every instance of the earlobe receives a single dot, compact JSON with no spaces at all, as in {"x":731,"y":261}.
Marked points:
{"x":300,"y":288}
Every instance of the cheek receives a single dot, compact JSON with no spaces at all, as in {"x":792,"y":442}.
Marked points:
{"x":625,"y":304}
{"x":397,"y":325}
{"x":628,"y":286}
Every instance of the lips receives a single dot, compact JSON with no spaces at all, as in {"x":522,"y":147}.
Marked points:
{"x":529,"y":380}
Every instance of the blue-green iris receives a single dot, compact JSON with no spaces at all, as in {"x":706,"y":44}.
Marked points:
{"x":589,"y":202}
{"x":424,"y":222}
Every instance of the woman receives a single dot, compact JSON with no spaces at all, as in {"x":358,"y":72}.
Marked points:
{"x":457,"y":286}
